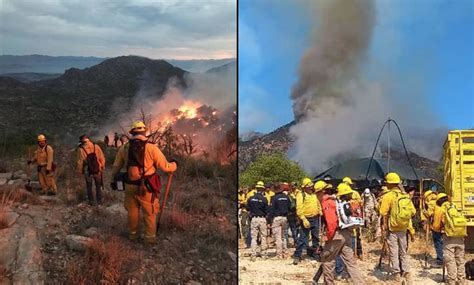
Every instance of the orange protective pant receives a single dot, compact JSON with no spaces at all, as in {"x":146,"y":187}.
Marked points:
{"x":133,"y":203}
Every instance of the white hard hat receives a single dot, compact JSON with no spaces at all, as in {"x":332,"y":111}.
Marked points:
{"x":366,"y":191}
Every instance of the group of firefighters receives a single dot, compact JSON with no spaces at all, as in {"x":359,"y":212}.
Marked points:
{"x":332,"y":218}
{"x":90,"y":164}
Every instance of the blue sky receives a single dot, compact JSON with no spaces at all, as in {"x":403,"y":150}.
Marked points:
{"x":426,"y":48}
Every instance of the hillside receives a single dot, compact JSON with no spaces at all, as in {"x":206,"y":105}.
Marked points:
{"x":81,"y":99}
{"x":280,"y":140}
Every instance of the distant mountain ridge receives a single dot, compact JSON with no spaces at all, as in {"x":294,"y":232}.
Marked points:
{"x":81,"y":100}
{"x":59,"y":64}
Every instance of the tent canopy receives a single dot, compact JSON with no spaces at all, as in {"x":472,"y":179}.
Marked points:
{"x":356,"y":169}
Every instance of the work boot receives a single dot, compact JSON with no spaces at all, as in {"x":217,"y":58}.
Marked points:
{"x":150,"y":241}
{"x":296,"y":260}
{"x":409,"y":278}
{"x":133,"y":237}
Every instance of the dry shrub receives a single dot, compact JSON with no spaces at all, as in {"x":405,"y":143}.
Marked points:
{"x":103,"y":263}
{"x":176,"y":218}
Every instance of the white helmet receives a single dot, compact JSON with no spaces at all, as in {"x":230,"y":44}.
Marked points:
{"x":367,"y":191}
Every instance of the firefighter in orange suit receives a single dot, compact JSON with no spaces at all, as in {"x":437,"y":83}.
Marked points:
{"x":136,"y":197}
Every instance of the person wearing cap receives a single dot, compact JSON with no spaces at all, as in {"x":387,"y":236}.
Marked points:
{"x":86,"y":152}
{"x":136,"y":197}
{"x":257,"y":206}
{"x":339,"y":239}
{"x":395,"y":228}
{"x":370,"y":213}
{"x":44,"y":158}
{"x":308,"y":210}
{"x":277,"y":216}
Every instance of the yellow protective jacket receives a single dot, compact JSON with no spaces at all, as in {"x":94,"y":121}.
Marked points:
{"x":241,"y":198}
{"x":44,"y":157}
{"x":307,"y":205}
{"x":268,"y":195}
{"x":429,"y":205}
{"x":84,"y":150}
{"x":386,"y":204}
{"x":356,"y":197}
{"x":438,"y":215}
{"x":250,"y":194}
{"x":154,"y":159}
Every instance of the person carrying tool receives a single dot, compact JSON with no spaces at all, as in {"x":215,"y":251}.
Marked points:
{"x":141,"y":159}
{"x":370,"y":213}
{"x":44,"y":158}
{"x":308,"y":210}
{"x":397,"y":210}
{"x":258,"y":208}
{"x":277,"y":216}
{"x":340,"y":222}
{"x":91,"y":164}
{"x":449,"y":220}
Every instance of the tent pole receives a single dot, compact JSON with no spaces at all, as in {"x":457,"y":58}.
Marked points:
{"x":388,"y":142}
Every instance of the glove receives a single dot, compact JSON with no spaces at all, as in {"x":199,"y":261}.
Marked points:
{"x":175,"y":161}
{"x":29,"y":162}
{"x":306,"y":224}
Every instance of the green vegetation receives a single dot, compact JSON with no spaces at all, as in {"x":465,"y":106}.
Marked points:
{"x":272,"y":168}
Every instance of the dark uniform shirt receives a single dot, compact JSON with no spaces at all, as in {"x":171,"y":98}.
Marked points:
{"x":257,"y":205}
{"x":279,"y":205}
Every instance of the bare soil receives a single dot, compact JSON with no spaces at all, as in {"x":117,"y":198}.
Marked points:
{"x":272,"y":270}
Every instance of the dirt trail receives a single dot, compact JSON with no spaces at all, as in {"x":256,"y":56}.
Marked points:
{"x":277,"y":271}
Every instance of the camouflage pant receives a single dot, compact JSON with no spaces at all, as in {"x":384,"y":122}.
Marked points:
{"x":258,"y":225}
{"x":340,"y":245}
{"x":453,"y":253}
{"x":279,"y":226}
{"x":397,"y":246}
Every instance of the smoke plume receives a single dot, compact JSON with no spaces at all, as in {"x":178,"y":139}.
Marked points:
{"x":338,"y":111}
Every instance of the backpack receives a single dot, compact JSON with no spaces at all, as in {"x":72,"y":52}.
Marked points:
{"x":53,"y":165}
{"x":456,"y":223}
{"x":136,"y":169}
{"x":136,"y":160}
{"x":92,"y":162}
{"x":348,"y":217}
{"x":402,"y":211}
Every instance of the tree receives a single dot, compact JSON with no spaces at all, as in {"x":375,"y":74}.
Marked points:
{"x":271,"y":168}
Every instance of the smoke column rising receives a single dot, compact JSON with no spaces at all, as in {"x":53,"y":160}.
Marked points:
{"x":339,"y":112}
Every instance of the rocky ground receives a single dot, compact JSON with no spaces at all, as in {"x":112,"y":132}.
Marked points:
{"x":59,"y":240}
{"x":276,"y":271}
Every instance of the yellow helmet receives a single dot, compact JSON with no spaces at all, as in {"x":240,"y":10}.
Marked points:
{"x":138,"y":126}
{"x":320,"y":185}
{"x":41,"y":138}
{"x":343,"y":189}
{"x":347,"y":180}
{"x":306,"y":183}
{"x":427,"y":193}
{"x":260,"y":184}
{"x":392,"y":178}
{"x":441,"y":195}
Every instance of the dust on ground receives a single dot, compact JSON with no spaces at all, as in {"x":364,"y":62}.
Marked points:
{"x":272,"y":270}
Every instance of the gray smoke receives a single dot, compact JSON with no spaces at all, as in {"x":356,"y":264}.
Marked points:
{"x":338,"y":111}
{"x":339,"y":44}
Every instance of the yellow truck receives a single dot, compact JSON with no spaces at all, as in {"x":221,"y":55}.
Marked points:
{"x":459,"y":174}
